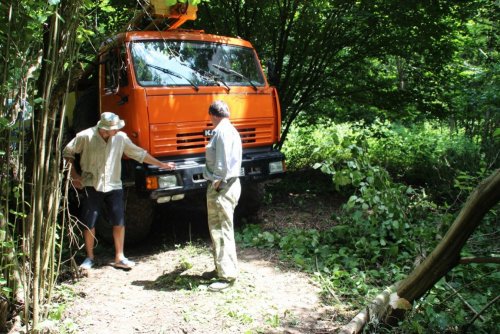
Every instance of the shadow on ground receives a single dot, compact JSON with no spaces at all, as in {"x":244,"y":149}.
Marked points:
{"x":172,"y":281}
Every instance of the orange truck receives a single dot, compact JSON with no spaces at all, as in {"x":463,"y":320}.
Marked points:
{"x":161,"y":82}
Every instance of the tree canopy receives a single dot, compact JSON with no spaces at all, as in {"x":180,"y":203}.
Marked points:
{"x":359,"y":59}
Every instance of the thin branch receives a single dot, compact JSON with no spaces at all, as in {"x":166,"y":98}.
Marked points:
{"x":476,"y":313}
{"x":466,"y":328}
{"x":468,"y":260}
{"x":463,"y":287}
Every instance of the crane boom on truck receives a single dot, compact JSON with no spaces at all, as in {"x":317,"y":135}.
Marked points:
{"x":161,"y":82}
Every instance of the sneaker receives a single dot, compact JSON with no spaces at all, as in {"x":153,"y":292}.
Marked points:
{"x":220,"y":285}
{"x":124,"y":264}
{"x":209,"y":274}
{"x":87,"y":264}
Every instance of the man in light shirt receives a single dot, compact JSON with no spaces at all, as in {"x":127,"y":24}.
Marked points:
{"x":222,"y":170}
{"x":101,"y":149}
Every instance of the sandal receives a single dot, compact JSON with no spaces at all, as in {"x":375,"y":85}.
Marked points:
{"x":220,"y":285}
{"x":124,"y":264}
{"x":87,"y":264}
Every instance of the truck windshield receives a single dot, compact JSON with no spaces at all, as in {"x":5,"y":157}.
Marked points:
{"x":195,"y":64}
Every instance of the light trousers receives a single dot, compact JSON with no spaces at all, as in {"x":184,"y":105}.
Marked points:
{"x":220,"y":207}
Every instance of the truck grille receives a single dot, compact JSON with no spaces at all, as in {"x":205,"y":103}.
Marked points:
{"x":191,"y":138}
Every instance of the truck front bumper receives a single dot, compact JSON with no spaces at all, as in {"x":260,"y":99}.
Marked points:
{"x":187,"y":178}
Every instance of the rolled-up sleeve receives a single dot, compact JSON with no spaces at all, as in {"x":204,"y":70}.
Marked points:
{"x":73,"y":147}
{"x":133,"y":151}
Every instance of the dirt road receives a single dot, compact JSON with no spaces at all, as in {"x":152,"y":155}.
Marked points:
{"x":165,"y":293}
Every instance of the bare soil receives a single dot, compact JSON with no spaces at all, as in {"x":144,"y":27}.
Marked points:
{"x":165,"y":292}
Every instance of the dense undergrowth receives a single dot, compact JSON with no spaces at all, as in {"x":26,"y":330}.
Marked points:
{"x":404,"y":186}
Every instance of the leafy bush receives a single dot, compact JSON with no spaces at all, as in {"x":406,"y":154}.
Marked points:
{"x":423,"y":155}
{"x":307,"y":145}
{"x":398,"y":181}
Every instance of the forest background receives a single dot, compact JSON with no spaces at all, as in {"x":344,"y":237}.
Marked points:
{"x":396,"y":101}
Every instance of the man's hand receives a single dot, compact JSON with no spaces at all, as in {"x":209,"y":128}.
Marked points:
{"x":160,"y":164}
{"x":168,"y":165}
{"x":216,"y":184}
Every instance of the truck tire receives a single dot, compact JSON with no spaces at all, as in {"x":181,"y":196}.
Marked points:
{"x":138,"y":219}
{"x":252,"y":195}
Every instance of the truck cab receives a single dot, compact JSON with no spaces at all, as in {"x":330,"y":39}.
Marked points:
{"x":161,"y":82}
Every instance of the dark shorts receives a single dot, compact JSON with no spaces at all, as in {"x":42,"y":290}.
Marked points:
{"x":109,"y":204}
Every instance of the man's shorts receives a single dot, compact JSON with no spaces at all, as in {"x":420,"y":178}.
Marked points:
{"x":109,"y":204}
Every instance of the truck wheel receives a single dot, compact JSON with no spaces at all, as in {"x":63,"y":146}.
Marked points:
{"x":252,"y":194}
{"x":138,"y":219}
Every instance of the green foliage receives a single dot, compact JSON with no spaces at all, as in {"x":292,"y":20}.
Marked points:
{"x":307,"y":145}
{"x":472,"y":78}
{"x":387,"y":225}
{"x":427,"y":155}
{"x":334,"y":255}
{"x":5,"y":290}
{"x":351,"y":263}
{"x":423,"y":155}
{"x":253,"y":236}
{"x":29,"y":49}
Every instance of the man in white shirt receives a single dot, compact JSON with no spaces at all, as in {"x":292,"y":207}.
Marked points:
{"x":101,"y":149}
{"x":222,"y":170}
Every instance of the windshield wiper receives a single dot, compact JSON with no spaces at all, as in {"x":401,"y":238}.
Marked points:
{"x":177,"y":75}
{"x":238,"y":74}
{"x":215,"y":78}
{"x":207,"y":75}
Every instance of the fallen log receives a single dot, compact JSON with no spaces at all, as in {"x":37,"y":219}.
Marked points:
{"x":443,"y":258}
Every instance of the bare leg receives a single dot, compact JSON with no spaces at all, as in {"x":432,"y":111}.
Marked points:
{"x":119,"y":240}
{"x":89,"y":238}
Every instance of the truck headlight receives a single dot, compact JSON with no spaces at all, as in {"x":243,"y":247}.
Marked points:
{"x":167,"y":181}
{"x":276,"y":167}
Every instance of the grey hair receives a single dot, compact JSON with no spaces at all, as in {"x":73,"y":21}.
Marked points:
{"x":219,"y":108}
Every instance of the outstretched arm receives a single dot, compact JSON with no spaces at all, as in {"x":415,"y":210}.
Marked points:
{"x":153,"y":161}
